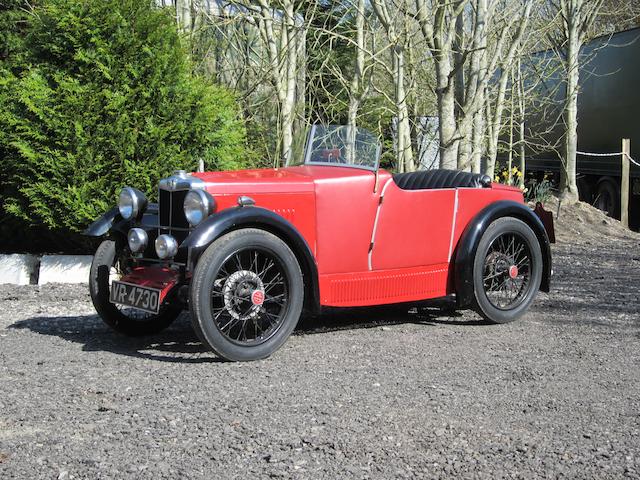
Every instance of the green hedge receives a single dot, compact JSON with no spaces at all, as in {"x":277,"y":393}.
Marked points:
{"x":103,"y":95}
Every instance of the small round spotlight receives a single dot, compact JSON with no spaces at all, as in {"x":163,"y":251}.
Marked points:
{"x":138,"y":240}
{"x":166,"y":246}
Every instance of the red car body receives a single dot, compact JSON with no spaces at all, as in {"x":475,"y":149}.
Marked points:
{"x":245,"y":251}
{"x":373,"y":243}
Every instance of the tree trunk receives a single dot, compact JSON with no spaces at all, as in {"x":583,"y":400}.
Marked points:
{"x":496,"y":123}
{"x":356,"y":93}
{"x":568,"y":184}
{"x":287,"y":132}
{"x":494,"y":113}
{"x":510,"y":158}
{"x":447,"y":116}
{"x":464,"y":148}
{"x":521,"y":116}
{"x":183,"y":15}
{"x":398,"y":42}
{"x":290,"y":46}
{"x":479,"y":65}
{"x":282,"y":50}
{"x":478,"y":140}
{"x":405,"y":151}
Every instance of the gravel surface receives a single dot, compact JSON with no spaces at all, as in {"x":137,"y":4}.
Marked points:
{"x":369,"y":393}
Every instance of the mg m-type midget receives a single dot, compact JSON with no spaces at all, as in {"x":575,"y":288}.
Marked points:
{"x":247,"y":251}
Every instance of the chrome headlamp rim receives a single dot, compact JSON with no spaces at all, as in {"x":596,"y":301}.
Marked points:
{"x":131,"y":203}
{"x":166,"y":246}
{"x":198,"y":205}
{"x":137,"y":239}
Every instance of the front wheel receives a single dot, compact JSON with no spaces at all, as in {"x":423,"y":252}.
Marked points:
{"x":247,"y":294}
{"x":110,"y":264}
{"x":507,"y":270}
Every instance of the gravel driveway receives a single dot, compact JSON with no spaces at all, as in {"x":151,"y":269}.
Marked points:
{"x":372,"y":393}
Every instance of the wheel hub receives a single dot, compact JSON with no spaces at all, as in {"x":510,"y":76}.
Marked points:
{"x":513,"y":271}
{"x":243,"y":294}
{"x":501,"y":264}
{"x":507,"y":271}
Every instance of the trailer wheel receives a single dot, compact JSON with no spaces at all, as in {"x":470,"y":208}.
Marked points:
{"x":607,"y":197}
{"x":585,"y":189}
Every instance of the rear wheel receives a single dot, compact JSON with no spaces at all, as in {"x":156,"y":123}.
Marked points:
{"x":109,"y":264}
{"x":507,"y":270}
{"x":247,"y":294}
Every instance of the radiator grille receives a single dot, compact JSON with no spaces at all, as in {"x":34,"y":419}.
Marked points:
{"x":171,"y":214}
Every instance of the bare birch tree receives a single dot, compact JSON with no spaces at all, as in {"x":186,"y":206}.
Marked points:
{"x":487,"y":39}
{"x":500,"y":83}
{"x":437,"y":22}
{"x":397,"y":29}
{"x":577,"y":17}
{"x":283,"y":51}
{"x":345,"y":29}
{"x":257,"y":43}
{"x":359,"y":88}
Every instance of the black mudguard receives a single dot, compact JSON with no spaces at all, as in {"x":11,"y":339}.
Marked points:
{"x":231,"y":219}
{"x":113,"y":224}
{"x":468,"y":245}
{"x":103,"y":225}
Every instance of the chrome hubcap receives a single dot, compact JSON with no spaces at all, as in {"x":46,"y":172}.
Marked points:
{"x":240,"y":292}
{"x":250,"y":296}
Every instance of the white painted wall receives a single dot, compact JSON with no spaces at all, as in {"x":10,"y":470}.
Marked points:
{"x":64,"y":269}
{"x":17,"y":269}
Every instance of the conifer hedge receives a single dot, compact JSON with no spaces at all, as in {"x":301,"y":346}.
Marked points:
{"x":101,"y":94}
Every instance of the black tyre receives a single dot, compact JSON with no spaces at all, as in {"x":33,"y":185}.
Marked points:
{"x":607,"y":198}
{"x":507,"y":270}
{"x":247,"y":294}
{"x":108,"y":265}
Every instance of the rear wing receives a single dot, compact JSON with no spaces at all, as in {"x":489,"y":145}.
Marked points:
{"x":546,"y":218}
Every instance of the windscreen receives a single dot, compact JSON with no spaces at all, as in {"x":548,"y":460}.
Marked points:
{"x":342,"y":146}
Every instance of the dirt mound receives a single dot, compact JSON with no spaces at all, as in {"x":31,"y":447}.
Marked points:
{"x":583,"y":222}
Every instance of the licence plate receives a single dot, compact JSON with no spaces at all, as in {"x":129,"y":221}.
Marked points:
{"x":143,"y":298}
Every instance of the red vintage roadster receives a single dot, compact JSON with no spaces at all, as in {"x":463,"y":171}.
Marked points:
{"x":246,"y":251}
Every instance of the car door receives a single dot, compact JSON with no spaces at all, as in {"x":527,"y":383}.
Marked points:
{"x":413,"y":228}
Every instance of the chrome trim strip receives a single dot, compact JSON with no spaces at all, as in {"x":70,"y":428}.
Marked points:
{"x":375,"y":222}
{"x":453,"y":224}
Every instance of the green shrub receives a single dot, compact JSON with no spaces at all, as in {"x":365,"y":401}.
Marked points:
{"x":104,"y":97}
{"x":13,"y":16}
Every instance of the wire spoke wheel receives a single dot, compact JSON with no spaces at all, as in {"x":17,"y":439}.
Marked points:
{"x":507,"y":271}
{"x":250,"y":296}
{"x":247,"y":294}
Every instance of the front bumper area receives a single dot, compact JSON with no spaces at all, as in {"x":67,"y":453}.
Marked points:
{"x":157,"y":277}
